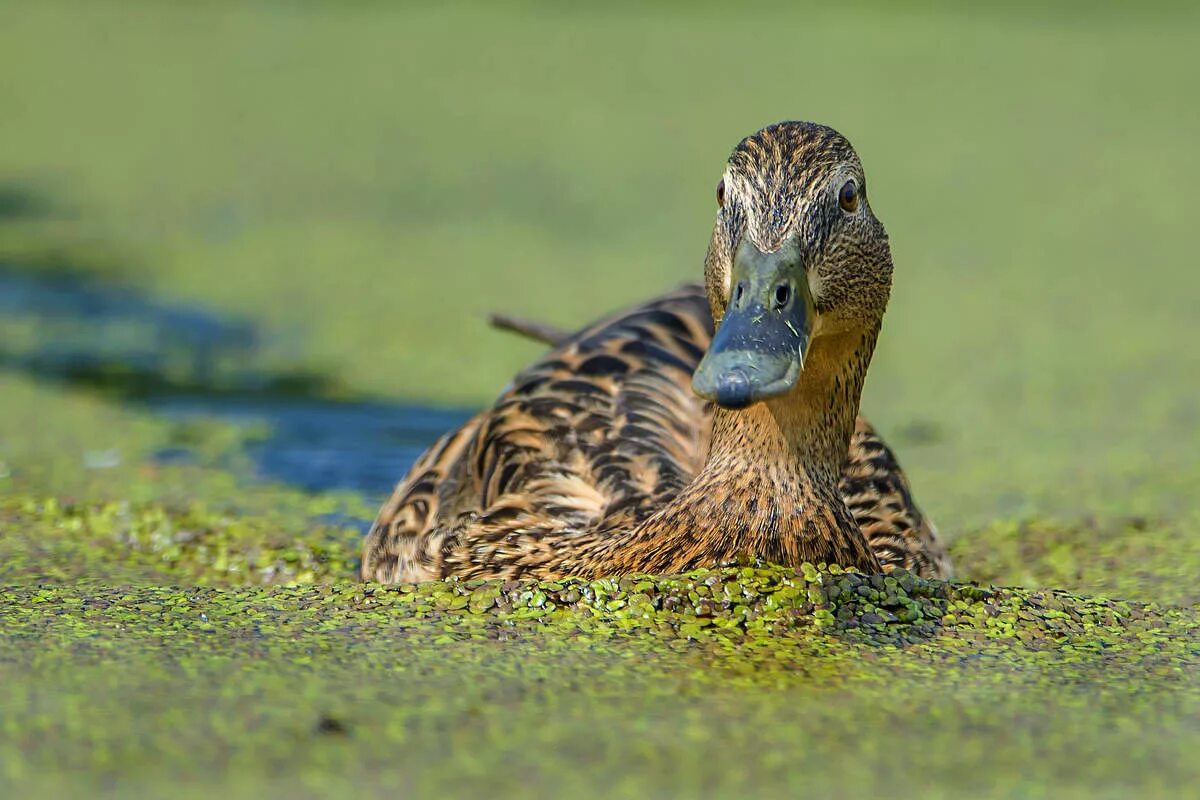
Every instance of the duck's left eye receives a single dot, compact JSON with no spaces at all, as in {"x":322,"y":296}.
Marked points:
{"x":848,"y":197}
{"x":721,"y":193}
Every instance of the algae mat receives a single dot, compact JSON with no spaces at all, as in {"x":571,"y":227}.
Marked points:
{"x":717,"y":683}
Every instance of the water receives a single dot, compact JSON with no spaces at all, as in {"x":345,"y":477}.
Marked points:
{"x":78,"y":325}
{"x":316,"y":445}
{"x":189,"y":363}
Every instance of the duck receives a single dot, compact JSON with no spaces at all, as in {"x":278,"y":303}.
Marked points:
{"x":715,"y":424}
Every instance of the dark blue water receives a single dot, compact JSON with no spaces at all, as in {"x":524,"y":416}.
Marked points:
{"x":186,"y":362}
{"x":84,"y":325}
{"x":317,"y":446}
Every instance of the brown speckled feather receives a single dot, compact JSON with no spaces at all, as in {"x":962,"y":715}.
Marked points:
{"x":592,"y":440}
{"x":877,"y":493}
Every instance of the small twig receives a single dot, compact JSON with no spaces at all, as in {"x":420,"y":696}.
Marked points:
{"x":547,"y":334}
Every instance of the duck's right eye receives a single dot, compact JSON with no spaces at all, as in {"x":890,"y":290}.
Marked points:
{"x":721,"y":193}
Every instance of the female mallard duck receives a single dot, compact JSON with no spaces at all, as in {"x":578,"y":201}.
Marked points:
{"x":600,"y":459}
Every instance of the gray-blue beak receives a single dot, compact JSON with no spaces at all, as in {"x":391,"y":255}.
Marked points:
{"x":758,"y":350}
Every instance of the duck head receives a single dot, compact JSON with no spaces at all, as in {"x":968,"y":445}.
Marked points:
{"x":796,"y":254}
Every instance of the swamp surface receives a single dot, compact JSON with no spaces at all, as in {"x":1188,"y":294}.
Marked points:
{"x":246,"y":253}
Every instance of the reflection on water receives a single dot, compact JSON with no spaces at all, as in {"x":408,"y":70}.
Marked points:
{"x":191,"y":363}
{"x":75,"y":327}
{"x":316,"y":445}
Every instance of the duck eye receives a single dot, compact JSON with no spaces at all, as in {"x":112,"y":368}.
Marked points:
{"x":848,"y":197}
{"x":721,"y":193}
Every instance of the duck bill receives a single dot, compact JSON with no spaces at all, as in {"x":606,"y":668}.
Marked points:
{"x":758,"y":349}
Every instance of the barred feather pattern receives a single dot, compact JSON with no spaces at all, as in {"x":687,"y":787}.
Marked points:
{"x":594,"y":439}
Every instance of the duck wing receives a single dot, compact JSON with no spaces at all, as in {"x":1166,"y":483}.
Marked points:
{"x":880,"y":499}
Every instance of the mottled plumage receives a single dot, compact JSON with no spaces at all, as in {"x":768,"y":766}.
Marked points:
{"x":600,"y":459}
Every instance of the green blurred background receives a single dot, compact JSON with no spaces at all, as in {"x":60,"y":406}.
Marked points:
{"x":368,"y":180}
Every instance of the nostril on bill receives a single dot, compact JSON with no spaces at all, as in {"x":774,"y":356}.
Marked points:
{"x":739,"y":292}
{"x":783,"y":294}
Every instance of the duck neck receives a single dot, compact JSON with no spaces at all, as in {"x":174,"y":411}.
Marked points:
{"x":769,"y":488}
{"x":806,"y":432}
